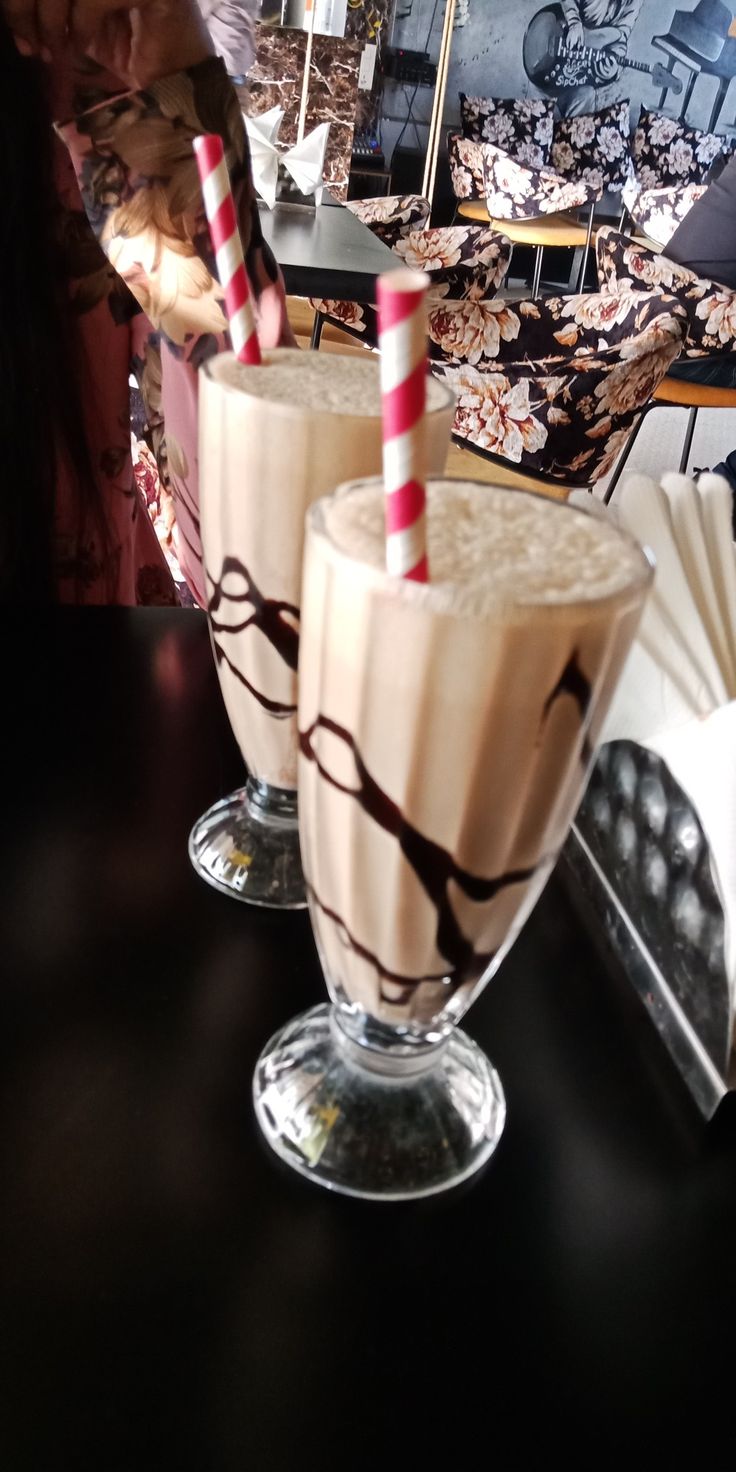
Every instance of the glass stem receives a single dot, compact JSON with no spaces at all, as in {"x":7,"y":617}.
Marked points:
{"x":275,"y":804}
{"x":379,"y":1049}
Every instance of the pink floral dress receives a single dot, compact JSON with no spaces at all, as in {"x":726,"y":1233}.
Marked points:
{"x":137,"y":256}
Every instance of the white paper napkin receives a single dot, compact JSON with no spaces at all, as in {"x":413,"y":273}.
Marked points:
{"x":305,"y":161}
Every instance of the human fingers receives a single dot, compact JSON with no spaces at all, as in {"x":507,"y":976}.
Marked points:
{"x":87,"y":17}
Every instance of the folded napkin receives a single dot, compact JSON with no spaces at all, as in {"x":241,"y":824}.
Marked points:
{"x":677,"y":693}
{"x":305,"y":161}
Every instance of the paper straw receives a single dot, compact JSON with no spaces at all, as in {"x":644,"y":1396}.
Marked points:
{"x":220,"y":211}
{"x":402,"y":336}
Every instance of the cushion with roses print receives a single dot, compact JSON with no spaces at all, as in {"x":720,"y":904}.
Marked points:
{"x":595,"y":147}
{"x":667,"y":152}
{"x":391,"y":216}
{"x":523,"y":126}
{"x":569,"y":416}
{"x":462,"y":261}
{"x":625,"y":264}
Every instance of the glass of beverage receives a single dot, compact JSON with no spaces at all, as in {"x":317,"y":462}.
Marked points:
{"x":446,"y":731}
{"x":274,"y":438}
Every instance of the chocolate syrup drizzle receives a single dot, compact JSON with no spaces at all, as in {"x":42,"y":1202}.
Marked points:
{"x":267,"y":616}
{"x":573,"y":682}
{"x":433,"y":865}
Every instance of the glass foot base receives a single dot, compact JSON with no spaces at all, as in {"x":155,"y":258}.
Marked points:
{"x":420,"y":1128}
{"x":247,"y":846}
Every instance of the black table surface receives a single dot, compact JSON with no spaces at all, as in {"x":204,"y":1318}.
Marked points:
{"x":172,"y":1297}
{"x":326,"y":251}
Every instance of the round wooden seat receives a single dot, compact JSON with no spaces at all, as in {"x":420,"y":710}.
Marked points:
{"x":683,"y":395}
{"x":542,"y":230}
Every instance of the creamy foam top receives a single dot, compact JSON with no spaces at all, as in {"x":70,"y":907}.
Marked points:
{"x":324,"y":382}
{"x":489,"y":546}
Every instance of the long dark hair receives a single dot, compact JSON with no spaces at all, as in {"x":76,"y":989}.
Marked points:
{"x":41,"y":419}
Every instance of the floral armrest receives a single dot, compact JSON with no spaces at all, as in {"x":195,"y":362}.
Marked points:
{"x":566,"y":417}
{"x":515,"y":191}
{"x":391,"y":216}
{"x":550,"y":329}
{"x":658,"y":212}
{"x":625,"y":265}
{"x":465,"y":159}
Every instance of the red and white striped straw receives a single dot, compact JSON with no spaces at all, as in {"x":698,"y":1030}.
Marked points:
{"x":220,"y":211}
{"x":402,"y":336}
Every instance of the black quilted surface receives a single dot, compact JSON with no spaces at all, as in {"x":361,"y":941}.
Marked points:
{"x":649,"y":842}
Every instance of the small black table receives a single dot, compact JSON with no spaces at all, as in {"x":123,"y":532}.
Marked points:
{"x":326,"y":251}
{"x":172,"y":1298}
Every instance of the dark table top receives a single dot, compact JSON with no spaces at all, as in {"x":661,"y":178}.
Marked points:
{"x":171,"y":1297}
{"x":325,"y":252}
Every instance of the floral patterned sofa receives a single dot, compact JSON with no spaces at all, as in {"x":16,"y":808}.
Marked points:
{"x":555,"y":385}
{"x":627,"y":265}
{"x":463,"y":262}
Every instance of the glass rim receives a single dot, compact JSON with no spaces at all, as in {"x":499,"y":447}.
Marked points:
{"x":293,"y":409}
{"x":419,"y":595}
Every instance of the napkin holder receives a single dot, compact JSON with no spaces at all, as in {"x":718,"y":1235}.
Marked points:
{"x":640,"y":869}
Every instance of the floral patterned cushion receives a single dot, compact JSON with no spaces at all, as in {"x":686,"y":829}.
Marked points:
{"x":392,"y":215}
{"x":523,"y":126}
{"x":463,"y":262}
{"x":514,"y":192}
{"x":555,"y":385}
{"x":465,"y":159}
{"x":667,"y":152}
{"x":658,"y":212}
{"x":595,"y":147}
{"x":625,"y":265}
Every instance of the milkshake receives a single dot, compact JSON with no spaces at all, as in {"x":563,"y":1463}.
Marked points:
{"x":446,"y":731}
{"x":273,"y":439}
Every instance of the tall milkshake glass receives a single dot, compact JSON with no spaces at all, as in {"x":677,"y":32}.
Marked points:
{"x":273,"y":439}
{"x":446,"y":731}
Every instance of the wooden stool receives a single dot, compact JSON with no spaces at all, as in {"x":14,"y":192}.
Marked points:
{"x":540,"y":231}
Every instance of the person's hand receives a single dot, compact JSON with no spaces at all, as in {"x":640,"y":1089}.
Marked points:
{"x":138,"y":40}
{"x":608,"y":65}
{"x":575,"y":34}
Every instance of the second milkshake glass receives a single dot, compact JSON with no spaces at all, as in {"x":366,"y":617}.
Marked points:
{"x":273,"y":439}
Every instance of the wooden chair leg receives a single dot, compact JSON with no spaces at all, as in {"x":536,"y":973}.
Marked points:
{"x":317,"y":326}
{"x":687,"y":446}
